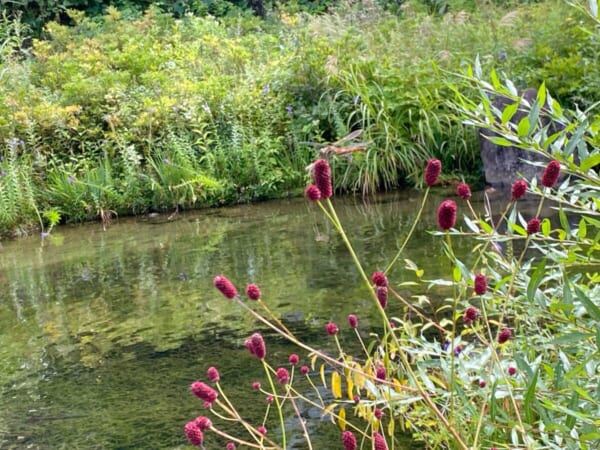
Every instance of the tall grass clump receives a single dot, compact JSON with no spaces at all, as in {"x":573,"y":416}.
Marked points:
{"x":507,"y":358}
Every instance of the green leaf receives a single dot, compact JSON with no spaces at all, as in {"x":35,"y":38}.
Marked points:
{"x":500,"y":141}
{"x":523,"y":127}
{"x":509,"y":112}
{"x":573,"y":404}
{"x":570,"y":338}
{"x":582,"y":229}
{"x":589,"y":162}
{"x":530,"y":397}
{"x":535,"y":280}
{"x":591,"y":307}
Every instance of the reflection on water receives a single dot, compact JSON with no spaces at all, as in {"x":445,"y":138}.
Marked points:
{"x":101,"y":332}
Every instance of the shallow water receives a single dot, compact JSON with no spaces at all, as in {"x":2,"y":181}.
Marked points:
{"x":101,"y":332}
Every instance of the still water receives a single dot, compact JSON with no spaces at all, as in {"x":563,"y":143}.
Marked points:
{"x":101,"y":332}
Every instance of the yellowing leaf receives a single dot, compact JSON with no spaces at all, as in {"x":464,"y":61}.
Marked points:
{"x":328,"y":411}
{"x":336,"y":385}
{"x":342,"y":419}
{"x":390,"y":428}
{"x":350,"y":387}
{"x":322,"y":372}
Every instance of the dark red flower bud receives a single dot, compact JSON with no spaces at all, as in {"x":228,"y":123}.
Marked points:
{"x":313,"y":193}
{"x":225,"y":286}
{"x":379,"y":442}
{"x":382,"y":295}
{"x":262,"y":430}
{"x":352,"y":321}
{"x":204,"y":391}
{"x":193,"y":434}
{"x":253,"y":292}
{"x":482,"y":384}
{"x":348,"y":440}
{"x":471,"y":314}
{"x":518,"y":190}
{"x":294,"y":359}
{"x":380,"y":373}
{"x":322,"y":177}
{"x":269,"y":399}
{"x":504,"y":335}
{"x":533,"y":226}
{"x":379,"y":279}
{"x":551,"y":173}
{"x":304,"y":370}
{"x":230,"y":446}
{"x":432,"y":171}
{"x":256,"y":346}
{"x":331,"y":329}
{"x":463,"y":191}
{"x":213,"y":374}
{"x":203,"y":423}
{"x":256,"y":385}
{"x":378,"y":413}
{"x":283,"y":376}
{"x":512,"y":370}
{"x":446,"y":214}
{"x":356,"y":398}
{"x":480,"y":284}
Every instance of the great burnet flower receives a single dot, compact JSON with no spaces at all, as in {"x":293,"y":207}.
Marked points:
{"x":518,"y":189}
{"x":380,"y":373}
{"x":313,"y":193}
{"x":253,"y":292}
{"x":379,"y":442}
{"x":533,"y":226}
{"x":226,"y":287}
{"x":432,"y":171}
{"x":293,"y":359}
{"x":322,"y":177}
{"x":213,"y":374}
{"x":204,"y":391}
{"x":512,"y":370}
{"x":471,"y":314}
{"x":446,"y":214}
{"x":283,"y":376}
{"x":230,"y":446}
{"x":262,"y":430}
{"x":256,"y":346}
{"x":480,"y":284}
{"x":379,"y":279}
{"x":193,"y":433}
{"x":352,"y":321}
{"x":348,"y":440}
{"x":551,"y":173}
{"x":331,"y":329}
{"x":463,"y":191}
{"x":504,"y":335}
{"x":382,"y":295}
{"x":304,"y":370}
{"x":203,"y":423}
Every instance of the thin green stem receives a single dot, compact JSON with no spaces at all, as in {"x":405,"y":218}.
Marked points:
{"x":279,"y":409}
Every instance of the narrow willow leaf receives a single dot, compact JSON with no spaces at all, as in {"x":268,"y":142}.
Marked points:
{"x":528,"y":402}
{"x":456,"y":275}
{"x":564,"y":221}
{"x":322,"y":372}
{"x":573,"y":404}
{"x":590,"y":306}
{"x":523,"y":127}
{"x":390,"y":428}
{"x":509,"y":112}
{"x":342,"y":419}
{"x":535,"y":280}
{"x":582,"y":229}
{"x":590,"y":162}
{"x":349,"y":387}
{"x":336,"y":385}
{"x":541,"y":94}
{"x":545,"y":227}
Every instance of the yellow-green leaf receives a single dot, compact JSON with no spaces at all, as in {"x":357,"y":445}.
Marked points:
{"x":342,"y":419}
{"x":336,"y":385}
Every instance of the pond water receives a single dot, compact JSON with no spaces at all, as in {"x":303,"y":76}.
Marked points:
{"x":101,"y":332}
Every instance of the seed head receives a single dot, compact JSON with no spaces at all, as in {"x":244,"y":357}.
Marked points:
{"x":204,"y":391}
{"x":225,"y":286}
{"x":193,"y":434}
{"x":352,"y":321}
{"x":463,"y":191}
{"x":379,"y":442}
{"x":331,"y":329}
{"x":322,"y":177}
{"x":504,"y":335}
{"x":518,"y":190}
{"x":348,"y":440}
{"x":253,"y":292}
{"x":533,"y":226}
{"x":480,"y":284}
{"x":446,"y":214}
{"x":313,"y":193}
{"x":551,"y":173}
{"x":283,"y":376}
{"x":256,"y":346}
{"x":379,"y":279}
{"x":213,"y":374}
{"x":382,"y":296}
{"x":432,"y":171}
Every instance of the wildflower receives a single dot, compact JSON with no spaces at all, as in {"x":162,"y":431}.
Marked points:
{"x":480,"y":284}
{"x":348,"y":440}
{"x":471,"y":314}
{"x":204,"y":391}
{"x":512,"y":370}
{"x":379,"y":279}
{"x":378,"y":413}
{"x":253,"y":292}
{"x":283,"y":376}
{"x":304,"y":370}
{"x":312,"y":192}
{"x":432,"y":171}
{"x":331,"y":329}
{"x":256,"y":346}
{"x":225,"y":286}
{"x":289,"y":109}
{"x":445,"y":345}
{"x":266,"y":89}
{"x":352,"y":321}
{"x":457,"y":350}
{"x":203,"y":423}
{"x":269,"y":399}
{"x":533,"y":226}
{"x":213,"y":374}
{"x":382,"y":296}
{"x":551,"y":173}
{"x":446,"y":214}
{"x":322,"y":177}
{"x":262,"y":430}
{"x":380,"y":373}
{"x":356,"y":399}
{"x":193,"y":434}
{"x":71,"y":179}
{"x":392,"y":324}
{"x":230,"y":446}
{"x":504,"y":336}
{"x":256,"y":385}
{"x":482,"y":384}
{"x":518,"y":190}
{"x":379,"y":442}
{"x":294,"y":359}
{"x":463,"y":191}
{"x":43,"y":234}
{"x":207,"y":405}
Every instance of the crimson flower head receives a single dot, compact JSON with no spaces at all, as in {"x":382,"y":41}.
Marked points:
{"x":269,"y":399}
{"x":463,"y":191}
{"x":380,"y":373}
{"x":551,"y":173}
{"x":378,"y":413}
{"x":512,"y":370}
{"x":262,"y":430}
{"x":331,"y":329}
{"x":382,"y":296}
{"x":313,"y":193}
{"x":256,"y":385}
{"x":322,"y":177}
{"x":204,"y":391}
{"x":518,"y":189}
{"x":379,"y":442}
{"x":226,"y":287}
{"x":432,"y":171}
{"x":504,"y":335}
{"x":446,"y":214}
{"x":283,"y":376}
{"x":379,"y":279}
{"x":533,"y":226}
{"x":352,"y":321}
{"x":230,"y":446}
{"x":294,"y":359}
{"x":304,"y":370}
{"x":213,"y":374}
{"x":193,"y":434}
{"x":471,"y":314}
{"x":203,"y":423}
{"x":256,"y":346}
{"x":482,"y":384}
{"x":480,"y":284}
{"x":348,"y":440}
{"x":253,"y":292}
